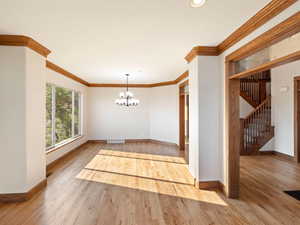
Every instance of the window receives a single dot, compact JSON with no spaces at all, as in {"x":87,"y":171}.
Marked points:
{"x":272,"y":52}
{"x":63,"y":120}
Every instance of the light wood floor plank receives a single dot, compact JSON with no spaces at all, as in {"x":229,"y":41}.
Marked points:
{"x":149,"y":184}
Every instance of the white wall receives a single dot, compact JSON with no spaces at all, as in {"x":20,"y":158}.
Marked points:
{"x":35,"y":118}
{"x":22,"y":159}
{"x":204,"y":118}
{"x":60,"y":80}
{"x":194,"y":108}
{"x":156,"y":117}
{"x":106,"y":120}
{"x":164,"y":113}
{"x":283,"y":106}
{"x":245,"y":108}
{"x":12,"y":119}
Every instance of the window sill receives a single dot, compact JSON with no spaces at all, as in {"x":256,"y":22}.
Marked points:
{"x":59,"y":146}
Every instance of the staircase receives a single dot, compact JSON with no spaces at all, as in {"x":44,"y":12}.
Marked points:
{"x":256,"y":128}
{"x":254,"y":88}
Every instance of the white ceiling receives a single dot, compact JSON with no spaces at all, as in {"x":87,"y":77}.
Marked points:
{"x":101,"y":40}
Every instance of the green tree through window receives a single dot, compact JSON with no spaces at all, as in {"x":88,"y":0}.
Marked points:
{"x":63,"y":105}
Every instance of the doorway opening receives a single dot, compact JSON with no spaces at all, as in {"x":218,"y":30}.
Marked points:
{"x":184,"y":119}
{"x":273,"y":49}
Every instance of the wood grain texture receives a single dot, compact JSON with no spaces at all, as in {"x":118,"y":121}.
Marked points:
{"x":297,"y":119}
{"x":260,"y":18}
{"x":60,"y":70}
{"x":278,"y":33}
{"x":19,"y":40}
{"x":234,"y":139}
{"x":21,"y":197}
{"x":63,"y":158}
{"x":269,"y":65}
{"x":201,"y":50}
{"x":149,"y":184}
{"x":279,"y":155}
{"x":210,"y":185}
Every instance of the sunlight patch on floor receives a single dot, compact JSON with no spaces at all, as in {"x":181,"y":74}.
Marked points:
{"x":160,"y":175}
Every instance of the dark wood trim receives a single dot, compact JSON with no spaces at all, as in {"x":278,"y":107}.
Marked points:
{"x":278,"y":33}
{"x":184,"y":83}
{"x":182,"y":77}
{"x":182,"y":102}
{"x":20,"y":40}
{"x":269,"y":65}
{"x":151,"y":85}
{"x":271,"y":10}
{"x":233,"y":138}
{"x":97,"y":141}
{"x":201,"y":50}
{"x":21,"y":197}
{"x":260,"y":18}
{"x":137,"y":141}
{"x":210,"y":185}
{"x":63,"y":157}
{"x":248,"y":99}
{"x":181,"y":120}
{"x":119,"y":85}
{"x":296,"y":119}
{"x":60,"y":70}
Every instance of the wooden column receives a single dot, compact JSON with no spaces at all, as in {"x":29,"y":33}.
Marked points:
{"x":234,"y":138}
{"x":232,"y":92}
{"x":296,"y":119}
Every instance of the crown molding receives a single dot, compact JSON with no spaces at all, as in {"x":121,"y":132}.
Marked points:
{"x":119,"y":85}
{"x":60,"y":70}
{"x":278,"y":33}
{"x":271,"y":10}
{"x":20,"y":40}
{"x":151,"y":85}
{"x":201,"y":50}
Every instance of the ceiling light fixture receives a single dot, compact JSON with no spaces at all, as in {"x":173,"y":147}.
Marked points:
{"x":197,"y":3}
{"x":126,"y":98}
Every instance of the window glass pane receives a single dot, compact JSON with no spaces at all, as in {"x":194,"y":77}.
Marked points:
{"x":76,"y":113}
{"x":275,"y":51}
{"x":63,"y":114}
{"x":48,"y":115}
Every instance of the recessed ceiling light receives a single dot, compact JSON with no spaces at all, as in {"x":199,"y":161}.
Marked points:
{"x":197,"y":3}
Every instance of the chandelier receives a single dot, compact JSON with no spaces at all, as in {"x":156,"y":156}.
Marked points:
{"x":126,"y":98}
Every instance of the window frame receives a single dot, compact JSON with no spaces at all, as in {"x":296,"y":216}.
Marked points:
{"x":53,"y":117}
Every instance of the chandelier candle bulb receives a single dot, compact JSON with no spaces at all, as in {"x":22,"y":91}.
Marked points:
{"x":127,"y":98}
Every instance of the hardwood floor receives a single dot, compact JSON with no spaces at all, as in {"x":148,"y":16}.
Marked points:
{"x":149,"y":184}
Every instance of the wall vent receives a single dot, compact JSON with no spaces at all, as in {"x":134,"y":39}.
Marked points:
{"x":115,"y":141}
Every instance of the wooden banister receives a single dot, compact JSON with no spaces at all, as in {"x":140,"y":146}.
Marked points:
{"x":256,"y":128}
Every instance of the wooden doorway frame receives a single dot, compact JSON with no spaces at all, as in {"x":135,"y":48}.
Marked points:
{"x":296,"y":119}
{"x":280,"y":32}
{"x":182,"y":115}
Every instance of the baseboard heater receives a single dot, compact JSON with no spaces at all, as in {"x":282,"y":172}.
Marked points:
{"x":115,"y":141}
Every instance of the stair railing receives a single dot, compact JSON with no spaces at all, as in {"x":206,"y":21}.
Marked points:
{"x":255,"y":127}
